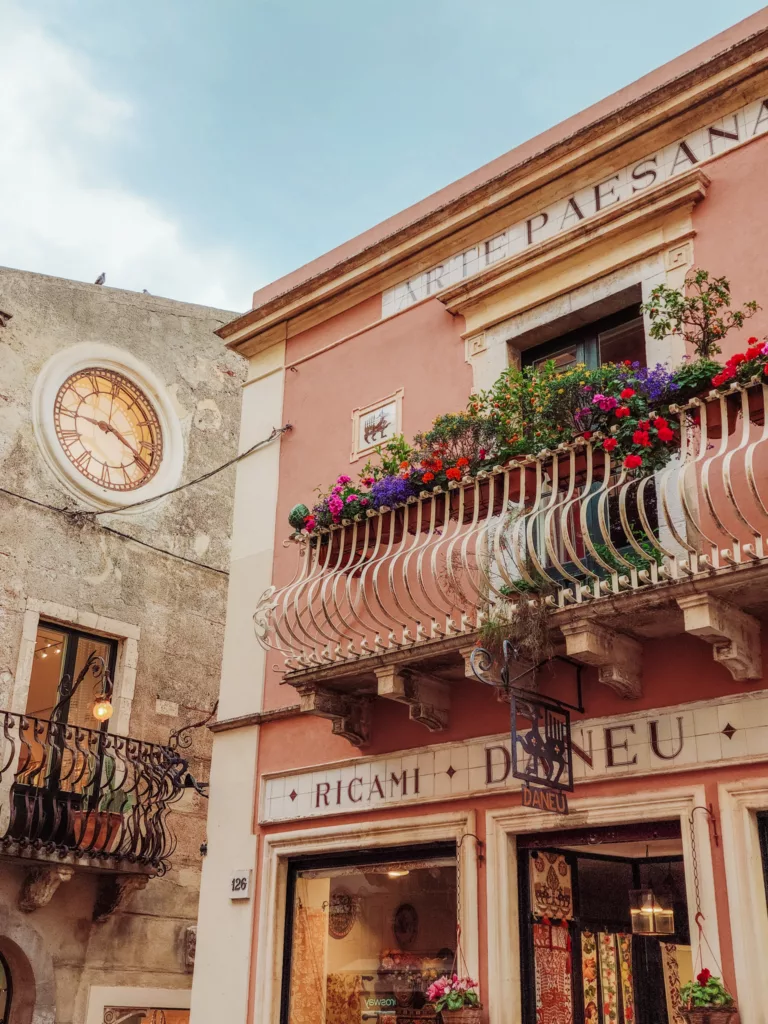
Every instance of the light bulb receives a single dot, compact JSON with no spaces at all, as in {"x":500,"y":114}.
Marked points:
{"x":57,"y":651}
{"x":102,"y":709}
{"x":400,"y":873}
{"x":43,"y":654}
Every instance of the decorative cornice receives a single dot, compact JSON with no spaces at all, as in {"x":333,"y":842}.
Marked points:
{"x":657,"y":108}
{"x":676,"y":193}
{"x":256,"y":718}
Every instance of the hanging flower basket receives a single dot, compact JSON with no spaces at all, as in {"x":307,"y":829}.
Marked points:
{"x":711,"y":1015}
{"x":466,"y":1015}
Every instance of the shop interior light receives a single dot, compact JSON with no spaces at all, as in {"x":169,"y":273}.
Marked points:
{"x":397,"y":873}
{"x":652,"y":912}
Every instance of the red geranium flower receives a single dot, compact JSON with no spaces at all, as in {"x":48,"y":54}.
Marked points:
{"x":453,"y":474}
{"x":735,"y":360}
{"x":704,"y":977}
{"x":462,"y":462}
{"x":627,"y":393}
{"x":623,"y":410}
{"x":633,"y":461}
{"x":643,"y":424}
{"x":587,"y":434}
{"x":765,"y":369}
{"x":719,"y":379}
{"x":642,"y":438}
{"x":660,"y":422}
{"x":427,"y":477}
{"x":665,"y":434}
{"x":610,"y":443}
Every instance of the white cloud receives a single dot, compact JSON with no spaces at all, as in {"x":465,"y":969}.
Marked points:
{"x":57,"y":213}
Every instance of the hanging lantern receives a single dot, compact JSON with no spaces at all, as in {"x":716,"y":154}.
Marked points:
{"x":652,"y":912}
{"x":102,"y":709}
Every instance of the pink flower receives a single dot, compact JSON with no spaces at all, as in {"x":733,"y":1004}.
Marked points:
{"x":352,"y":497}
{"x":364,"y":501}
{"x":344,"y":479}
{"x":310,"y":523}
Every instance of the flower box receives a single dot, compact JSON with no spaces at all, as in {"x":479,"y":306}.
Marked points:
{"x":97,"y":831}
{"x":466,"y":1015}
{"x":711,"y":1015}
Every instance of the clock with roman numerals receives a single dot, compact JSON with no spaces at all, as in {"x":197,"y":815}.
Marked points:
{"x":108,"y":429}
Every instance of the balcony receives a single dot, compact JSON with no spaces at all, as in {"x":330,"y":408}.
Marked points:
{"x":73,"y":797}
{"x":390,"y":604}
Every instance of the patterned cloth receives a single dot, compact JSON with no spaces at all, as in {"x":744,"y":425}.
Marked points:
{"x":552,"y":955}
{"x":307,"y":1005}
{"x":551,"y":887}
{"x":677,"y":964}
{"x":343,"y":1004}
{"x":608,"y":988}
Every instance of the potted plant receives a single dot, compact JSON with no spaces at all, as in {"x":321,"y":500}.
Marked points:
{"x":455,"y":999}
{"x":706,"y":1001}
{"x":99,"y":829}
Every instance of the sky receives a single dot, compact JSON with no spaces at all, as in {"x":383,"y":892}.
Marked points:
{"x":200,"y":149}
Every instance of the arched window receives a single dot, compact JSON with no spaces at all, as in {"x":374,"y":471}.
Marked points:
{"x":6,"y":991}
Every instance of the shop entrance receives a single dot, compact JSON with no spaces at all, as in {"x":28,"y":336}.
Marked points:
{"x":604,"y":926}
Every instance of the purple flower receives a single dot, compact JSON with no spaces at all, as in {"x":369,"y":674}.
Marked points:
{"x":392,"y":490}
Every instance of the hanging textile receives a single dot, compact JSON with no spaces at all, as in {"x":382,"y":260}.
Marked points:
{"x":308,"y":967}
{"x":606,"y":944}
{"x":552,"y":961}
{"x":677,"y":964}
{"x":343,"y":1005}
{"x":606,"y":968}
{"x":551,"y":887}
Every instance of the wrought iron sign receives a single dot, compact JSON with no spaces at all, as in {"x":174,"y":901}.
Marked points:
{"x":540,"y":727}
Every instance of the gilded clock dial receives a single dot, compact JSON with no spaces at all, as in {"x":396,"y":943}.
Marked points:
{"x":108,"y":429}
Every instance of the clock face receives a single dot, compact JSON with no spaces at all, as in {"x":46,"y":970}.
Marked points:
{"x":108,"y":429}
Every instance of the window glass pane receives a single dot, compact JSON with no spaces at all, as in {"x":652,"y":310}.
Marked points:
{"x":563,"y":360}
{"x":47,"y":668}
{"x":368,"y":941}
{"x":82,"y":699}
{"x":623,"y":343}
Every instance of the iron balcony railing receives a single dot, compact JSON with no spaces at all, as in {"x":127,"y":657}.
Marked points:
{"x":569,"y":525}
{"x":66,"y":790}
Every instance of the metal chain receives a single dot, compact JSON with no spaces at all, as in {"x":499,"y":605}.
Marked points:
{"x":695,"y":861}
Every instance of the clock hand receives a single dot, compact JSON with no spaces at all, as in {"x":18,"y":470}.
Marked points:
{"x":120,"y":437}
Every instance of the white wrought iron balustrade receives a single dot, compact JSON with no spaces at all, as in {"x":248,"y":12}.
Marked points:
{"x":569,"y":526}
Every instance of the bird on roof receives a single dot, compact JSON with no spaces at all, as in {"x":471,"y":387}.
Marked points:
{"x":101,"y":278}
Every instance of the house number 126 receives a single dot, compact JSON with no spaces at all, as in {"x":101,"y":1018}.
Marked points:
{"x":240,"y":885}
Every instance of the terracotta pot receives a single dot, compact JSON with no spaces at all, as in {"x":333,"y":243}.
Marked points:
{"x":467,"y":1015}
{"x":711,"y":1015}
{"x":97,"y":831}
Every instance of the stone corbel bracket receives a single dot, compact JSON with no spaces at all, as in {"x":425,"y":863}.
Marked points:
{"x":349,"y":713}
{"x":428,"y":698}
{"x":618,"y":658}
{"x":734,"y":635}
{"x":113,"y":891}
{"x":40,"y":885}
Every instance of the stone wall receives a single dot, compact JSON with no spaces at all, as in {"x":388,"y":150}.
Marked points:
{"x":173,"y":598}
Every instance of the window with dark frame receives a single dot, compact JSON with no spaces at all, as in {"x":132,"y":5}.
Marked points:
{"x":370,"y":932}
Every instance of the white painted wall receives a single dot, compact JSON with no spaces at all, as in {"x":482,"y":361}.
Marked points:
{"x":225,"y":926}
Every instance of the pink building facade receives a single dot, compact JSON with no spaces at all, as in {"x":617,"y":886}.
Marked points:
{"x":365,"y":785}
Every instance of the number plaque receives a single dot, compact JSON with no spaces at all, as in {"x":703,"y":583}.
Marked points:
{"x":240,"y":885}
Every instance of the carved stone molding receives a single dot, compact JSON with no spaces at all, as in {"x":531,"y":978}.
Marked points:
{"x":40,"y":885}
{"x":190,"y":945}
{"x":349,"y":713}
{"x":734,"y":635}
{"x":618,"y":658}
{"x":428,"y":699}
{"x":113,"y":891}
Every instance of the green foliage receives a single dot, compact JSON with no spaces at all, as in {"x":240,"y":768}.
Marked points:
{"x":693,"y":377}
{"x":390,"y":457}
{"x":455,"y":436}
{"x":701,"y":313}
{"x":457,"y":1001}
{"x":712,"y":993}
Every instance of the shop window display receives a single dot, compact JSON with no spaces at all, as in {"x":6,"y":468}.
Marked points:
{"x":589,"y":954}
{"x":367,"y":937}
